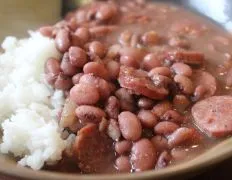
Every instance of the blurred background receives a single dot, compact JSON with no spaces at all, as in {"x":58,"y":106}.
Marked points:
{"x":16,"y":16}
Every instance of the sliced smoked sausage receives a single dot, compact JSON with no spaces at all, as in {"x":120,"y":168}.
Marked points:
{"x":92,"y":149}
{"x":214,"y":116}
{"x":139,"y":83}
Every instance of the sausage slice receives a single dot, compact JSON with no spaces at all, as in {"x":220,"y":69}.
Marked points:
{"x":214,"y":116}
{"x":93,"y":150}
{"x":139,"y":83}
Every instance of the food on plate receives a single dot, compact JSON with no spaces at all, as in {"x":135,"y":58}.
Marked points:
{"x":117,"y":86}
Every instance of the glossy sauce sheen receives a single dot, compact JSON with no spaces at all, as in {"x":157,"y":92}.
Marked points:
{"x":136,"y":70}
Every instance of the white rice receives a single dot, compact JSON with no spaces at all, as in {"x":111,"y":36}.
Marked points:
{"x":28,"y":107}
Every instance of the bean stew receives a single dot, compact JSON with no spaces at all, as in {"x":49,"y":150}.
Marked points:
{"x":147,"y":85}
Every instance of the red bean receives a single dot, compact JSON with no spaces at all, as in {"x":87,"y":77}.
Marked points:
{"x":76,"y":78}
{"x":112,"y":107}
{"x":182,"y":69}
{"x":77,"y":56}
{"x":160,"y":143}
{"x":102,"y":85}
{"x":46,"y":31}
{"x":129,"y":61}
{"x":181,"y":102}
{"x":113,"y":68}
{"x":97,"y":48}
{"x":129,"y":125}
{"x":84,"y":94}
{"x":52,"y":70}
{"x":62,"y":40}
{"x":122,"y":147}
{"x":63,"y":82}
{"x":163,"y":160}
{"x":87,"y":113}
{"x":184,"y":83}
{"x":135,"y":54}
{"x":126,"y":99}
{"x":81,"y":16}
{"x":151,"y":61}
{"x":147,"y":119}
{"x":83,"y":34}
{"x":106,"y":12}
{"x":161,"y":81}
{"x":101,"y":31}
{"x":160,"y":108}
{"x":145,"y":103}
{"x":143,"y":155}
{"x":61,"y":25}
{"x":165,"y":128}
{"x":173,"y":116}
{"x":52,"y":65}
{"x":123,"y":164}
{"x":151,"y":38}
{"x":180,"y":136}
{"x":165,"y":71}
{"x":113,"y":130}
{"x":97,"y":69}
{"x":66,"y":66}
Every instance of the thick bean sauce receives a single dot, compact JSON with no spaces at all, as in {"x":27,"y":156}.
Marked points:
{"x":148,"y":85}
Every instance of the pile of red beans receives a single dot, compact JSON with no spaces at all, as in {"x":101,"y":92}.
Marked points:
{"x":122,"y":93}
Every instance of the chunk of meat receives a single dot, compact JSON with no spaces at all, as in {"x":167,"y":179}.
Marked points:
{"x":136,"y":81}
{"x":188,"y":57}
{"x":214,"y":116}
{"x":92,"y":150}
{"x":68,"y":117}
{"x":205,"y":79}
